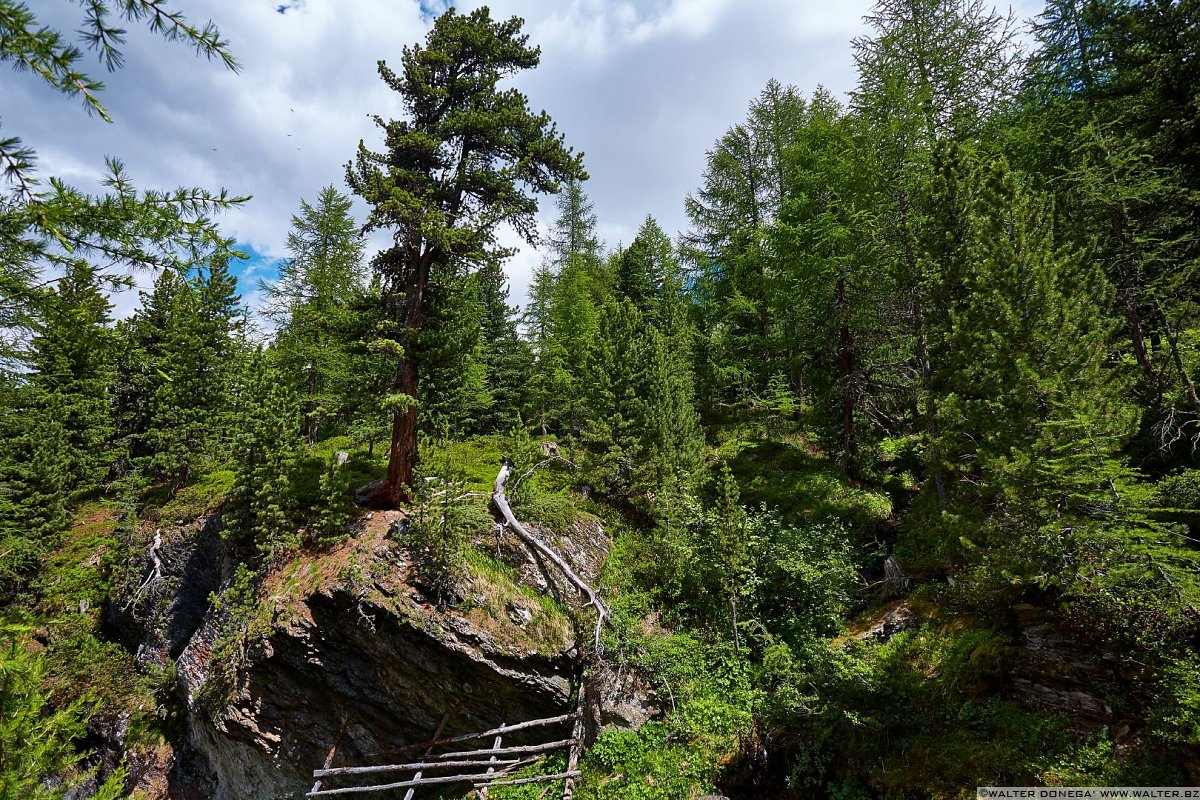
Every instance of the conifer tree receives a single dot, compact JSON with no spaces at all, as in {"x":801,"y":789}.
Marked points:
{"x":37,"y":740}
{"x":265,"y":446}
{"x":643,"y":430}
{"x":468,"y":157}
{"x":574,"y":324}
{"x":744,"y":186}
{"x":454,"y":381}
{"x":177,"y":397}
{"x":537,"y":323}
{"x":573,"y":242}
{"x":72,"y":369}
{"x":335,"y":512}
{"x":34,"y":473}
{"x":642,"y":268}
{"x":311,"y":304}
{"x":1031,"y":417}
{"x":506,"y":358}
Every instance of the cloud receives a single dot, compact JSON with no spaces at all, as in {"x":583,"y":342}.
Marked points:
{"x":643,"y":87}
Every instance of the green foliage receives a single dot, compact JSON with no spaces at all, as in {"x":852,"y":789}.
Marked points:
{"x":507,"y":359}
{"x":261,"y":498}
{"x":710,"y":698}
{"x":645,"y":765}
{"x":176,"y":372}
{"x":33,"y":473}
{"x":1178,"y":497}
{"x":444,"y":518}
{"x":313,"y":305}
{"x":335,"y":511}
{"x":37,"y":738}
{"x":1177,"y":716}
{"x":475,"y":157}
{"x":241,"y":620}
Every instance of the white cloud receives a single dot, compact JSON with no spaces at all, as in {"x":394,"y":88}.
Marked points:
{"x":644,"y":88}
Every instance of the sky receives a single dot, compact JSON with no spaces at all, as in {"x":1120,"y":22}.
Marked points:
{"x":642,"y":87}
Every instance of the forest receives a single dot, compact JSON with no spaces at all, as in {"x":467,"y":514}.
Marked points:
{"x":889,"y":458}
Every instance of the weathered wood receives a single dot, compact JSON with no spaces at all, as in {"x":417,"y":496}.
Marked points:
{"x":332,"y":750}
{"x":411,"y":784}
{"x":483,"y":793}
{"x":419,"y":765}
{"x":576,"y":744}
{"x":535,"y":779}
{"x":466,"y":737}
{"x":525,"y":748}
{"x":441,"y":727}
{"x":502,"y":503}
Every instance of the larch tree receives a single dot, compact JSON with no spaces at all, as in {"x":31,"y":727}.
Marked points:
{"x":743,"y":186}
{"x":506,"y":357}
{"x":51,"y":223}
{"x":930,"y":71}
{"x":467,"y":158}
{"x":311,"y":303}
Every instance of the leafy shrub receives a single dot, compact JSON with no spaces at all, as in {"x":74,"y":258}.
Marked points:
{"x":645,"y":765}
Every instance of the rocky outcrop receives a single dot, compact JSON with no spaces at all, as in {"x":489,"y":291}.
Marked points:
{"x":325,"y":668}
{"x":354,"y":650}
{"x":583,"y":546}
{"x":349,"y":646}
{"x":161,"y":613}
{"x":1051,"y":671}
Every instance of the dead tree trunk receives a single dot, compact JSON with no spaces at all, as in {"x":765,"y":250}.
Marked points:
{"x":584,"y":588}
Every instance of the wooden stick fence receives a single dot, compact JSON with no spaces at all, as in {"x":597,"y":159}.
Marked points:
{"x":482,"y":767}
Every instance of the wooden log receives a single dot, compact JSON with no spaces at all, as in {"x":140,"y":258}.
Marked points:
{"x":483,"y":793}
{"x":441,"y":727}
{"x":419,"y":765}
{"x":535,"y":779}
{"x":409,"y":784}
{"x":525,"y":748}
{"x":502,"y":503}
{"x":576,"y":744}
{"x":332,"y":750}
{"x":466,"y":737}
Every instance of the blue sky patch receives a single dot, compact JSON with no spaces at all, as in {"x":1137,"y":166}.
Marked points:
{"x":255,"y":267}
{"x":431,"y":9}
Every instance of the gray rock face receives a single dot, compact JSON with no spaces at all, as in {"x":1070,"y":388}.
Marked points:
{"x":159,"y":622}
{"x":621,"y":699}
{"x":583,"y":546}
{"x":1051,"y":672}
{"x":370,"y":661}
{"x":381,"y":666}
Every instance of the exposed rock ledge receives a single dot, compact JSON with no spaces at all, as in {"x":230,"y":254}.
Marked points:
{"x":354,"y":645}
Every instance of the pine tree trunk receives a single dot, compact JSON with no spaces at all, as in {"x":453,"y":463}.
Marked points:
{"x":402,"y":457}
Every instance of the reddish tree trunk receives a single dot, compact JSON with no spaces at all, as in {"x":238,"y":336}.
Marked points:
{"x":402,"y":457}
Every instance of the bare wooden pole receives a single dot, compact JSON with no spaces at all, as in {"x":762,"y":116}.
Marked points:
{"x":576,"y":745}
{"x":441,"y":727}
{"x":483,"y":793}
{"x":419,"y":765}
{"x":332,"y":750}
{"x":535,"y":779}
{"x":466,"y":737}
{"x":409,"y":784}
{"x":525,"y":748}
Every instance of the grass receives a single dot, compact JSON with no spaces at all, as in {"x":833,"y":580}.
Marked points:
{"x":494,"y":585}
{"x":787,"y":474}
